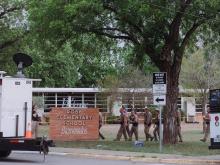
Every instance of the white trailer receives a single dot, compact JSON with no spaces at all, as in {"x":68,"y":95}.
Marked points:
{"x":15,"y":106}
{"x":16,"y":112}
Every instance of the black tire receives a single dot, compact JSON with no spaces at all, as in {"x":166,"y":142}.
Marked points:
{"x":5,"y":154}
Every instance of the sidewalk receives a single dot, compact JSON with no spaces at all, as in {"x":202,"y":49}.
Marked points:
{"x":137,"y":156}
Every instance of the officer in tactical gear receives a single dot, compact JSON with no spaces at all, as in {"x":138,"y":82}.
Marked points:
{"x":178,"y":124}
{"x":147,"y":123}
{"x":100,"y":125}
{"x":207,"y":119}
{"x":156,"y":126}
{"x":123,"y":124}
{"x":133,"y":119}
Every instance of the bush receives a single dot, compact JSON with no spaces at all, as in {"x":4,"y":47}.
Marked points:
{"x":112,"y":119}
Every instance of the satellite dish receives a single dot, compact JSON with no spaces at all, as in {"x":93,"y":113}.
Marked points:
{"x":22,"y":61}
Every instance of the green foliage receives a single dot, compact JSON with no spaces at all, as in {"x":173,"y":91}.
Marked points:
{"x":13,"y":26}
{"x":79,"y":62}
{"x":55,"y":68}
{"x":112,"y":119}
{"x":142,"y":27}
{"x":200,"y":70}
{"x":200,"y":73}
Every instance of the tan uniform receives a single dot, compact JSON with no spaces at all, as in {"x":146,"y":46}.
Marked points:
{"x":122,"y":129}
{"x":147,"y":125}
{"x":207,"y":129}
{"x":156,"y":128}
{"x":34,"y":124}
{"x":134,"y":129}
{"x":100,"y":125}
{"x":127,"y":124}
{"x":178,"y":124}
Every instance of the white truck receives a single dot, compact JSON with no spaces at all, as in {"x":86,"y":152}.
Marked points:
{"x":16,"y":111}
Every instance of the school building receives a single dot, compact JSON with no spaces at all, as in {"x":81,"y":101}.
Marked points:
{"x":110,"y":101}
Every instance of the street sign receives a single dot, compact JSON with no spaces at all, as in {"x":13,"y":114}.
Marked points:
{"x":159,"y":99}
{"x":159,"y":92}
{"x":159,"y":82}
{"x":160,"y":88}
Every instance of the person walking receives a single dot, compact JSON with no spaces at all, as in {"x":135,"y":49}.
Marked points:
{"x":123,"y":123}
{"x":147,"y":124}
{"x":126,"y":119}
{"x":133,"y":119}
{"x":178,"y":124}
{"x":156,"y":126}
{"x":100,"y":125}
{"x":35,"y":122}
{"x":207,"y":128}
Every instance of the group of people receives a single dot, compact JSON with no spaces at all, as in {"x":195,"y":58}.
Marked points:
{"x":127,"y":132}
{"x":124,"y":125}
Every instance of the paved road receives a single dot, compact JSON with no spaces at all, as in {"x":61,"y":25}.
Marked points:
{"x":33,"y":159}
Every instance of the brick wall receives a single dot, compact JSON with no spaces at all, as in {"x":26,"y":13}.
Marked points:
{"x":74,"y":124}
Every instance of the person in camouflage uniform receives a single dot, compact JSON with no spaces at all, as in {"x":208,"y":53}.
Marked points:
{"x":147,"y":124}
{"x":178,"y":124}
{"x":207,"y":129}
{"x":123,"y":124}
{"x":156,"y":126}
{"x":133,"y":119}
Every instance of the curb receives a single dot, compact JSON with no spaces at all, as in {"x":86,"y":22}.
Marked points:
{"x":147,"y":160}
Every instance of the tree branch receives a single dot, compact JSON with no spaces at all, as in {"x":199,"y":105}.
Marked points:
{"x":122,"y":37}
{"x":189,"y":34}
{"x":119,"y":31}
{"x":8,"y":43}
{"x":12,"y":41}
{"x":110,"y":6}
{"x":186,"y":39}
{"x":12,"y":9}
{"x":173,"y":36}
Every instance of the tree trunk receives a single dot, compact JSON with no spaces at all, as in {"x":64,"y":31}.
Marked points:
{"x":170,"y":131}
{"x":204,"y":101}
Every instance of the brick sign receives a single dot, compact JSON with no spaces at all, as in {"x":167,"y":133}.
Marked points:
{"x":73,"y":124}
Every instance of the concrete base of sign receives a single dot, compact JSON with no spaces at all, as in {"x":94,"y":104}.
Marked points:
{"x":214,"y":145}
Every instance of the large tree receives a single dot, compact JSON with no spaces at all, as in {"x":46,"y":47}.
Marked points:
{"x":13,"y":19}
{"x":160,"y":29}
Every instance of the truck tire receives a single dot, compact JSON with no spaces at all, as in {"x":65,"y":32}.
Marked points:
{"x":5,"y":154}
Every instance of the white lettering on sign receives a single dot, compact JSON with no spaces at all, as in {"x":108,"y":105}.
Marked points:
{"x":159,"y":83}
{"x":73,"y":131}
{"x":74,"y":123}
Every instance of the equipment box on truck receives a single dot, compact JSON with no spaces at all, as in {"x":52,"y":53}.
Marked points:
{"x":16,"y":111}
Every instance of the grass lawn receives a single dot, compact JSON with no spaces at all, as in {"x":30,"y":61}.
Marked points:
{"x":186,"y":148}
{"x":190,"y":147}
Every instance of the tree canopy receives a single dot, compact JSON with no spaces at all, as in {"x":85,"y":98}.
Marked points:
{"x":12,"y":29}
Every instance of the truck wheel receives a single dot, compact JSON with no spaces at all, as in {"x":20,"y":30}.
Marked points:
{"x":4,"y":154}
